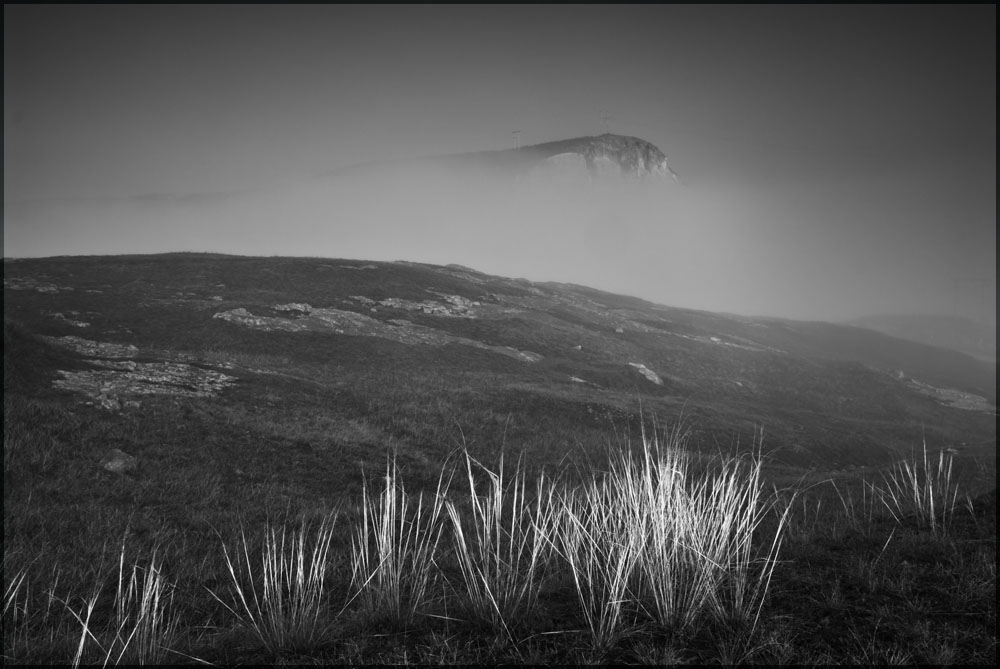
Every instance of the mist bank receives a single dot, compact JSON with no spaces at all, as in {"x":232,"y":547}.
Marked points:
{"x":715,"y":249}
{"x":978,"y":339}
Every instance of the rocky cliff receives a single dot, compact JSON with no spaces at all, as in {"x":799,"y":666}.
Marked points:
{"x":604,"y":154}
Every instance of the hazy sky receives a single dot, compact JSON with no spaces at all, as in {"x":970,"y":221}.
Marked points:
{"x":841,"y":160}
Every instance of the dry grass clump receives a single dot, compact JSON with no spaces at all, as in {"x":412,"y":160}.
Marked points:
{"x":501,"y":544}
{"x":142,"y":627}
{"x":662,"y":539}
{"x":394,"y":547}
{"x":922,"y":489}
{"x":675,"y":542}
{"x":282,"y":599}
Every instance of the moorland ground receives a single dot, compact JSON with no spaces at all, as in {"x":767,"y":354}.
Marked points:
{"x":814,"y":542}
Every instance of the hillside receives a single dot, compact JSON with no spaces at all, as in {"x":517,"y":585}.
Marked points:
{"x":392,"y":348}
{"x":295,"y":458}
{"x":959,"y":334}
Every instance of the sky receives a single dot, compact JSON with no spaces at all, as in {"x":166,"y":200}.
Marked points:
{"x":836,"y":161}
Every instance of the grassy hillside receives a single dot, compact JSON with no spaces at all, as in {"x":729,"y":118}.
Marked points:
{"x":257,"y":394}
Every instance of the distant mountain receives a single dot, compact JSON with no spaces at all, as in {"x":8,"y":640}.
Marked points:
{"x":385,"y":210}
{"x":953,"y":332}
{"x":600,"y":155}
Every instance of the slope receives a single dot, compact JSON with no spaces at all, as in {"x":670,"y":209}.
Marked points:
{"x":364,"y":356}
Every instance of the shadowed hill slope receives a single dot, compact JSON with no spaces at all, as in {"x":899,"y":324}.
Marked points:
{"x":952,"y":332}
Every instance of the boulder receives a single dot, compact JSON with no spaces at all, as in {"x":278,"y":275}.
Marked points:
{"x":119,"y":462}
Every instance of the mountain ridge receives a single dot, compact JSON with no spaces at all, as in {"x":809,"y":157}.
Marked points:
{"x":952,"y":332}
{"x":633,"y":155}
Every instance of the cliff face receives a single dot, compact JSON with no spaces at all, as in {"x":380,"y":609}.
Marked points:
{"x":579,"y":157}
{"x":604,"y":154}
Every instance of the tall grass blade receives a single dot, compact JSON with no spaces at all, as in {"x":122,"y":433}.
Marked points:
{"x":283,"y":602}
{"x":500,"y":542}
{"x":393,"y":550}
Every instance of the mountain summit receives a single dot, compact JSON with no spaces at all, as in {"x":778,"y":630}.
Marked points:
{"x":604,"y":153}
{"x":597,"y":156}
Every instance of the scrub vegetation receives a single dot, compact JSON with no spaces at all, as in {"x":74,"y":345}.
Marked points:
{"x":662,"y":555}
{"x":353,"y":500}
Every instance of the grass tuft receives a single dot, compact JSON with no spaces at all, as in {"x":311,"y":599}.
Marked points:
{"x":501,"y":545}
{"x":284,"y":602}
{"x":600,"y":546}
{"x":393,"y":549}
{"x":675,"y":540}
{"x":142,"y":627}
{"x":922,"y":489}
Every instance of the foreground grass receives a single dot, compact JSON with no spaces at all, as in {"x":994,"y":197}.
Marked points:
{"x":661,"y":556}
{"x":282,"y":602}
{"x":143,"y":625}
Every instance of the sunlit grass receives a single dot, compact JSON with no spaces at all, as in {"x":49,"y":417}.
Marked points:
{"x":664,"y":549}
{"x":922,"y":488}
{"x":600,"y":546}
{"x":501,"y":541}
{"x":675,"y":542}
{"x":15,"y":604}
{"x":394,"y":547}
{"x":282,"y":599}
{"x":142,"y":627}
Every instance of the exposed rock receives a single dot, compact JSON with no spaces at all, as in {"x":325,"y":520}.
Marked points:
{"x":524,"y":356}
{"x":94,"y":349}
{"x":118,"y":376}
{"x":114,"y":379}
{"x":647,"y":372}
{"x":456,"y":307}
{"x":29,"y":283}
{"x":293,"y":307}
{"x":452,"y":306}
{"x":70,"y":321}
{"x":602,"y":155}
{"x":953,"y":397}
{"x":119,"y":462}
{"x":361,"y":325}
{"x":244,"y":317}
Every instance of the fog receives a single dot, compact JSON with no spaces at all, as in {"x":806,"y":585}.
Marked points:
{"x":709,"y":248}
{"x":823,"y":177}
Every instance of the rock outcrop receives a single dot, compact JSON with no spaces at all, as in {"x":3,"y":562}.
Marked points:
{"x":647,"y":372}
{"x":601,"y":156}
{"x":119,"y":462}
{"x":117,"y":380}
{"x":302,"y":317}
